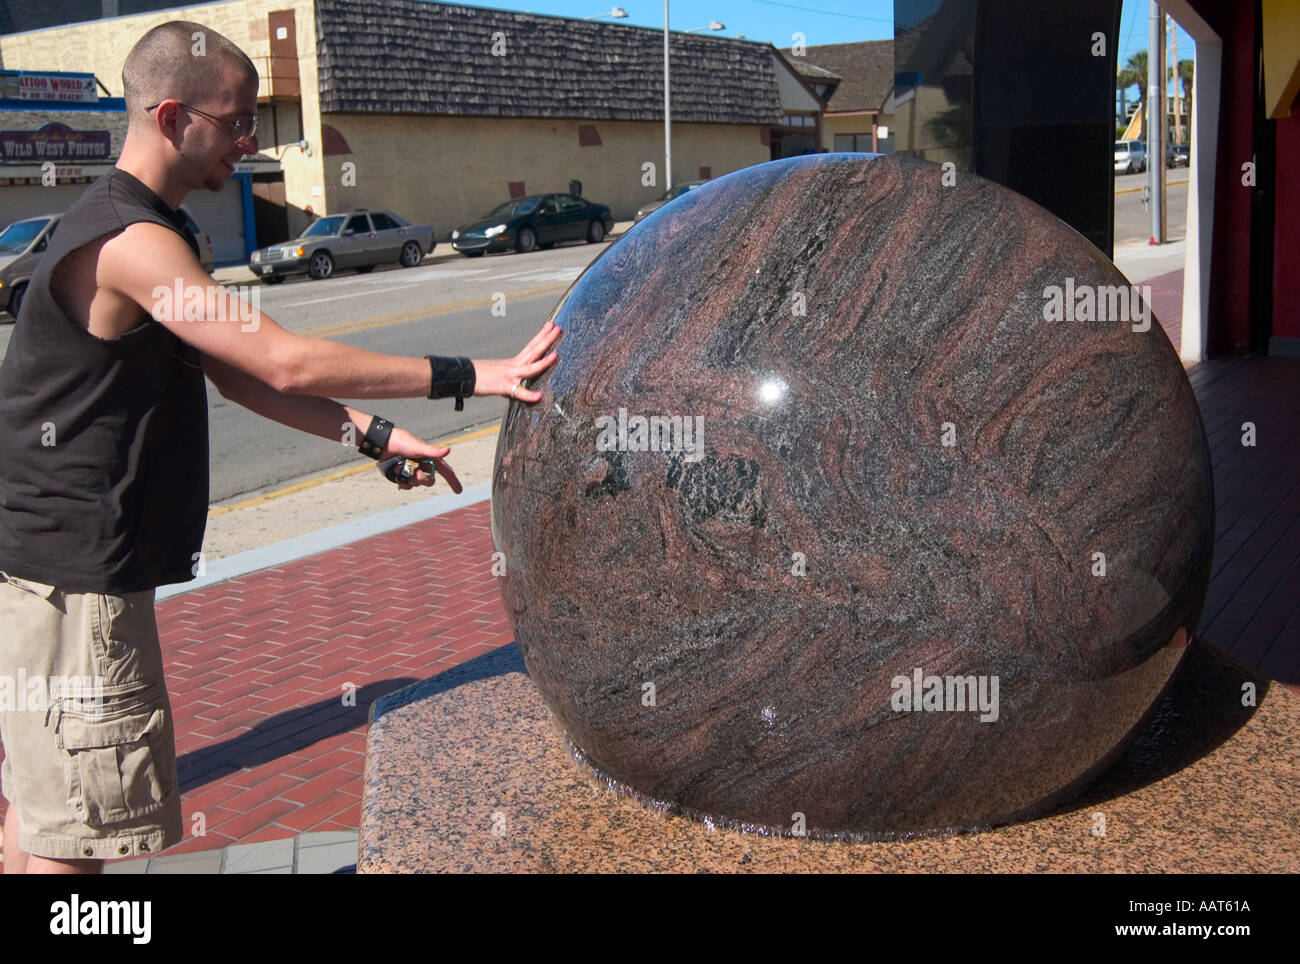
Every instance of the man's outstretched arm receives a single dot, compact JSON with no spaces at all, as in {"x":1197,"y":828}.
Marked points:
{"x":146,"y":260}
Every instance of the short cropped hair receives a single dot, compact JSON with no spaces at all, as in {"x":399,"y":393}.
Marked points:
{"x":177,"y":60}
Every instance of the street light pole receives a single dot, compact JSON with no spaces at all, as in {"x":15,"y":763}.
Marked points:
{"x":1156,"y":122}
{"x":668,"y":128}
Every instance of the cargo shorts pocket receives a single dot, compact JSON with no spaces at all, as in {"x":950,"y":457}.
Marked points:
{"x":114,"y":772}
{"x":42,"y":589}
{"x":119,"y":624}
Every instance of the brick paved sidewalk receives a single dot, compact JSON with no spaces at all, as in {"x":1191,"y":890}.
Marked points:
{"x":257,"y":665}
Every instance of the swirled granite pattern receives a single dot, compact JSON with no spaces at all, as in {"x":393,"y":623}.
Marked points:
{"x":897,"y":470}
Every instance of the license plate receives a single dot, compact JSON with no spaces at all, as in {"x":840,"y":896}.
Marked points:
{"x":266,"y":269}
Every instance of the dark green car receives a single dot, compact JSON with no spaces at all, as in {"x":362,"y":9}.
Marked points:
{"x":539,"y":221}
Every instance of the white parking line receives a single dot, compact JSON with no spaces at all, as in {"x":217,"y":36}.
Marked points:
{"x":430,"y":274}
{"x":542,"y":274}
{"x":355,"y":294}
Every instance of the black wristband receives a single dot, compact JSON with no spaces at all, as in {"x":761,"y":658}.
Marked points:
{"x":451,"y":377}
{"x":376,"y":437}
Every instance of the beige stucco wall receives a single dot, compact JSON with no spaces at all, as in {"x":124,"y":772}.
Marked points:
{"x":445,"y":171}
{"x":915,"y":136}
{"x":102,"y":45}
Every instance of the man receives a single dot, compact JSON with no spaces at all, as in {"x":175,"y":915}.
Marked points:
{"x":103,"y":429}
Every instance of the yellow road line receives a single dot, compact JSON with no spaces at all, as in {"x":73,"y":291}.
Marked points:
{"x":339,"y":474}
{"x":1134,"y":190}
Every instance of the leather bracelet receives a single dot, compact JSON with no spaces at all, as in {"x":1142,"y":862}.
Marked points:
{"x":376,"y":439}
{"x":451,"y":377}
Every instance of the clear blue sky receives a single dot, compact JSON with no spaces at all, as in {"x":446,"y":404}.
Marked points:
{"x":820,"y":21}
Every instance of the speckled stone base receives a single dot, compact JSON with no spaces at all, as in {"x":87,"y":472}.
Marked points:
{"x":467,"y":772}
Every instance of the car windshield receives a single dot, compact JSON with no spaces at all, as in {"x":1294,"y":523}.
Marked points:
{"x":16,"y":238}
{"x":1121,"y":147}
{"x":324,"y":226}
{"x":511,"y":208}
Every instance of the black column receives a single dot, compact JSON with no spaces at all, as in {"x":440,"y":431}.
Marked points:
{"x":1015,"y":91}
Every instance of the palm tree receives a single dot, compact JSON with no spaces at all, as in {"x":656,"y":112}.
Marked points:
{"x":1124,"y":79}
{"x":1136,"y":72}
{"x":1186,"y":73}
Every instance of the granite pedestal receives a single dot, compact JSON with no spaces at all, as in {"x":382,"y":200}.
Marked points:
{"x":468,"y":772}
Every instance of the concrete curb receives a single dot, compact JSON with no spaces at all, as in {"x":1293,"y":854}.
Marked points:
{"x":323,"y":540}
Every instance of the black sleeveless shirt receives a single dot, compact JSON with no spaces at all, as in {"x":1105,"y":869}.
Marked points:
{"x":103,"y":444}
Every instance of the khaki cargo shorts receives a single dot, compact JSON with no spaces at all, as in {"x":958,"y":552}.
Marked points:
{"x":90,"y":754}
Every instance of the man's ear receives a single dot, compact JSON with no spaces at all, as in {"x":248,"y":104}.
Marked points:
{"x":167,"y":117}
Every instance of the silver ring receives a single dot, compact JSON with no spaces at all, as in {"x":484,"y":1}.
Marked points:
{"x":516,"y":387}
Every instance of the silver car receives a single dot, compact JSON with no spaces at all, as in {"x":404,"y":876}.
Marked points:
{"x":23,"y":242}
{"x":358,"y":239}
{"x":676,"y":191}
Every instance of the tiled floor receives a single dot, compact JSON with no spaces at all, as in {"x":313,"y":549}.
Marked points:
{"x":271,"y":673}
{"x":1253,"y":607}
{"x":325,"y":852}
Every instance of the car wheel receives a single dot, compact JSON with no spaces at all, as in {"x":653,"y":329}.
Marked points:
{"x":16,"y":300}
{"x":526,"y":241}
{"x":273,"y":279}
{"x":411,"y":254}
{"x":321,"y":266}
{"x":595,"y":232}
{"x":365,"y":269}
{"x":472,"y":254}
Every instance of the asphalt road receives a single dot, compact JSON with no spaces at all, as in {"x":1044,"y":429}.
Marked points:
{"x":1133,"y":221}
{"x":442,"y":307}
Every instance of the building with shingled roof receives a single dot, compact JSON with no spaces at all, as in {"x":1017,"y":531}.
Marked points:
{"x":442,"y":111}
{"x":856,"y":80}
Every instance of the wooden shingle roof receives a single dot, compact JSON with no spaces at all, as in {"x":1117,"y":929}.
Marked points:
{"x":406,"y":57}
{"x":867,"y":69}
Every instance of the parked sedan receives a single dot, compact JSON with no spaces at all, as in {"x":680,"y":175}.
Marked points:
{"x":360,"y":240}
{"x":675,"y":191}
{"x":1178,"y":155}
{"x":23,"y":242}
{"x":534,"y":222}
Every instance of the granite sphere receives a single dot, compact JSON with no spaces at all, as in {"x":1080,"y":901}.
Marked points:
{"x":860,"y":503}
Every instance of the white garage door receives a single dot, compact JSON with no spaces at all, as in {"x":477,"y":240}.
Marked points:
{"x":221,"y":215}
{"x":28,"y":200}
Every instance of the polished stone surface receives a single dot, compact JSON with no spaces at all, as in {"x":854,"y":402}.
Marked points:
{"x":467,"y":772}
{"x":730,"y":627}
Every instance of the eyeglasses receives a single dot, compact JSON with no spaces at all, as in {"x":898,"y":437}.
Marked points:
{"x":235,"y":126}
